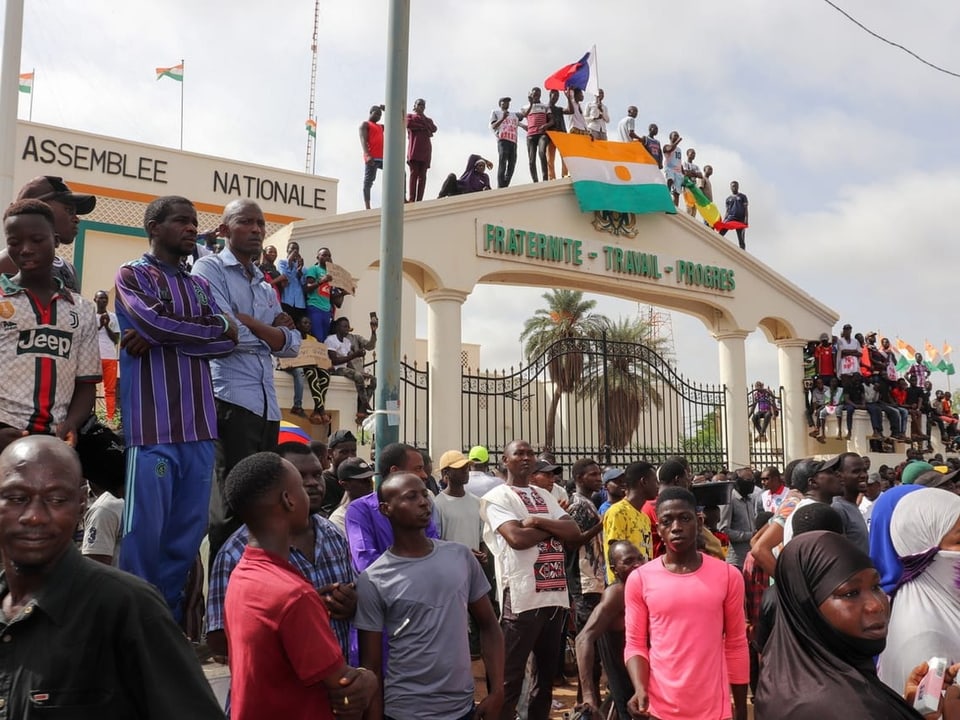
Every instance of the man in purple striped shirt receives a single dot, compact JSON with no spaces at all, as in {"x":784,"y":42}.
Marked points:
{"x":171,"y":327}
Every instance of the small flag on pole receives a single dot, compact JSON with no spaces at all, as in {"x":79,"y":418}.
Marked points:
{"x":26,"y":82}
{"x":311,"y":126}
{"x":931,"y":354}
{"x":581,"y":75}
{"x":946,"y":363}
{"x":174,"y":73}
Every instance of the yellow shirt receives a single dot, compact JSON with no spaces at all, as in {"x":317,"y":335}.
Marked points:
{"x":623,"y":521}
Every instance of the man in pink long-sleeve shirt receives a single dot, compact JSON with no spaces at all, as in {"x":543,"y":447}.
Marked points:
{"x":686,"y":642}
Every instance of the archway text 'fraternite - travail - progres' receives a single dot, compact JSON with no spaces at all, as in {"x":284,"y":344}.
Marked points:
{"x":535,"y":235}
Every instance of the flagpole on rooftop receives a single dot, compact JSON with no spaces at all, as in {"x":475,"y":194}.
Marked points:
{"x":9,"y":94}
{"x":387,"y":427}
{"x":181,"y":103}
{"x":33,"y":87}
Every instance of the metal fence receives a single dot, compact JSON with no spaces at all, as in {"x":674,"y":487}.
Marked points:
{"x":768,"y":448}
{"x":414,"y":402}
{"x":619,"y":402}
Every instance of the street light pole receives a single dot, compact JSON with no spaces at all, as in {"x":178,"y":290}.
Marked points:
{"x":387,"y":426}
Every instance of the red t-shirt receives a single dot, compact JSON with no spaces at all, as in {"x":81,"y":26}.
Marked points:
{"x":825,"y":363}
{"x":280,"y":642}
{"x":650,"y":510}
{"x":375,"y":140}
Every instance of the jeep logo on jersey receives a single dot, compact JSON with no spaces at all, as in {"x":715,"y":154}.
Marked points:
{"x":45,"y":341}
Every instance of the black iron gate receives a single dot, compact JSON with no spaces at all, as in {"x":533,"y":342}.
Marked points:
{"x":414,"y":401}
{"x":767,"y":442}
{"x":619,"y":402}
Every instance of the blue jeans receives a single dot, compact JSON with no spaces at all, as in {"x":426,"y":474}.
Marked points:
{"x":297,"y":374}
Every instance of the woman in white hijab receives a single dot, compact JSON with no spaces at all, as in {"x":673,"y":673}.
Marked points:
{"x":925,"y":620}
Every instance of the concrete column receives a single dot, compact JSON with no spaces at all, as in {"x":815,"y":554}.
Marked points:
{"x":9,"y":94}
{"x":733,"y":374}
{"x":443,"y":356}
{"x":790,"y":360}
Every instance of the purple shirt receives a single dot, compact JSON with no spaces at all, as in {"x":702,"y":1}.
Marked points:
{"x":369,"y":533}
{"x":166,"y":396}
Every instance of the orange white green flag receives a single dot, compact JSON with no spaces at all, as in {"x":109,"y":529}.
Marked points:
{"x":174,"y":73}
{"x":930,"y":354}
{"x":907,"y":357}
{"x":946,"y":362}
{"x":613,"y":176}
{"x":311,"y":126}
{"x":26,"y":82}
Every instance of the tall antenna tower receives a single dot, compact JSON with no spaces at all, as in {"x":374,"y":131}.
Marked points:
{"x":311,"y":163}
{"x":660,"y":325}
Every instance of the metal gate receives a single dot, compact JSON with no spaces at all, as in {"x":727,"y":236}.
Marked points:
{"x":414,"y":402}
{"x":619,"y":402}
{"x":767,"y":448}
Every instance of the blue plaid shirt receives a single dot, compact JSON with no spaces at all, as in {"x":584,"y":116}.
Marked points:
{"x":331,"y":564}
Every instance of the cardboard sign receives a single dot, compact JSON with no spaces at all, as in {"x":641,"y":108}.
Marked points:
{"x":341,"y":278}
{"x":312,"y":354}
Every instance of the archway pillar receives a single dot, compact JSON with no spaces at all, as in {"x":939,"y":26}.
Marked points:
{"x":790,"y":361}
{"x":444,"y":306}
{"x":733,"y":374}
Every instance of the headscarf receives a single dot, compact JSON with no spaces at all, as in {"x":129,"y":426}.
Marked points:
{"x":882,"y":552}
{"x":925,"y":621}
{"x":810,"y":670}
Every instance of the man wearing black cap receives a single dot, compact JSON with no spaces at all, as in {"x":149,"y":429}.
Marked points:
{"x":355,"y":476}
{"x":341,"y":445}
{"x":504,"y":125}
{"x":66,"y":206}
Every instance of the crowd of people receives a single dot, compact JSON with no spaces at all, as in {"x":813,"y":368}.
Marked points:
{"x":853,"y":371}
{"x":820,"y":585}
{"x":537,"y":119}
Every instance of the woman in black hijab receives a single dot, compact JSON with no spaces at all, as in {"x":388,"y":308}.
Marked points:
{"x":832,"y":622}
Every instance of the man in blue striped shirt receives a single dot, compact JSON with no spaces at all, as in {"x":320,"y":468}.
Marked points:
{"x":171,"y":326}
{"x":248,"y":416}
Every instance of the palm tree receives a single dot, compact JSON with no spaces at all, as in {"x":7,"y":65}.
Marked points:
{"x":622,"y":382}
{"x":567,"y":316}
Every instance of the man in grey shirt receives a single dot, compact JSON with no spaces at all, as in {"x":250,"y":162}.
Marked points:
{"x":738,"y":517}
{"x":418,"y":595}
{"x":853,"y":475}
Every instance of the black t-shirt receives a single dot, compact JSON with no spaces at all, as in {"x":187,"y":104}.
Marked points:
{"x":332,"y":493}
{"x":914,"y":395}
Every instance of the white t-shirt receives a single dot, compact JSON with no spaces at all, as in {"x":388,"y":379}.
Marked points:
{"x":771,"y":501}
{"x":340,"y":347}
{"x":459,"y":519}
{"x":480,"y":483}
{"x":108,"y":348}
{"x":625,"y":127}
{"x":535,"y":576}
{"x":849,"y":365}
{"x":102,"y":527}
{"x":576,"y":117}
{"x":788,"y":528}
